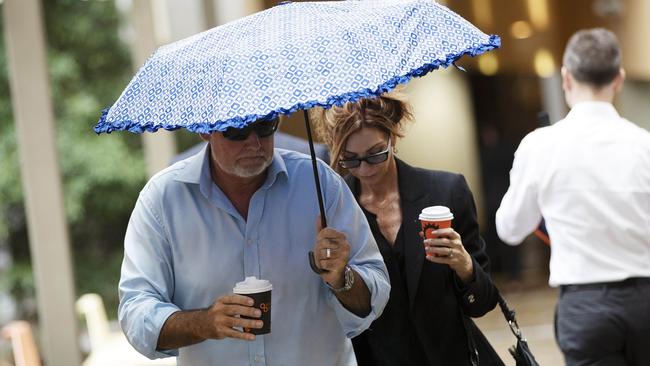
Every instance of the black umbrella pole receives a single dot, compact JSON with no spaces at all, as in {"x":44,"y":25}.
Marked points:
{"x":319,"y":193}
{"x":314,"y":166}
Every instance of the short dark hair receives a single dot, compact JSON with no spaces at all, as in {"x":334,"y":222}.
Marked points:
{"x":593,"y":56}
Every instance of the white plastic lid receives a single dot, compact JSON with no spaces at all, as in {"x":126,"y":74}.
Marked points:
{"x":436,"y":213}
{"x":252,"y":285}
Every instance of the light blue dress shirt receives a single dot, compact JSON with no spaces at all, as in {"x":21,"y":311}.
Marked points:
{"x":186,"y":245}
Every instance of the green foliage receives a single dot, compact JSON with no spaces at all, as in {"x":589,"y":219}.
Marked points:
{"x":88,"y":67}
{"x":99,"y":273}
{"x":19,"y":281}
{"x":10,"y":192}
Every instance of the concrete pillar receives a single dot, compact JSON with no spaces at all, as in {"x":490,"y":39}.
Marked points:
{"x":178,"y":19}
{"x":48,"y":235}
{"x":209,"y":13}
{"x":553,"y":96}
{"x":633,"y":33}
{"x":227,"y":10}
{"x":443,"y":135}
{"x":159,"y":147}
{"x":632,"y":103}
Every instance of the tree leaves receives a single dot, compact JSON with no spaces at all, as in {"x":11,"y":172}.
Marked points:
{"x":88,"y":66}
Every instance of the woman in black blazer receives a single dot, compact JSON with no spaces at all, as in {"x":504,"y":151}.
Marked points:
{"x":432,"y":289}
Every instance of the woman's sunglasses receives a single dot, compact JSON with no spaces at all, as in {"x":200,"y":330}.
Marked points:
{"x":376,"y":158}
{"x":261,"y":128}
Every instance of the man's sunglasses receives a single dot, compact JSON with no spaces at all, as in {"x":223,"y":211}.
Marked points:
{"x":261,"y":128}
{"x":376,"y":158}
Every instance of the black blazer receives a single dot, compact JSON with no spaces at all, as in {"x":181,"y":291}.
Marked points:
{"x":436,"y":296}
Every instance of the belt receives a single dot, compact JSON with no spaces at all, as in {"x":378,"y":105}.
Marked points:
{"x":629,"y":282}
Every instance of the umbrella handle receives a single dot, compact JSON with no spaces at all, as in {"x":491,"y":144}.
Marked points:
{"x":312,"y":264}
{"x":321,"y":206}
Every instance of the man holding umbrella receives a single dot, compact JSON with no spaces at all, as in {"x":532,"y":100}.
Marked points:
{"x":236,"y":209}
{"x":240,"y":208}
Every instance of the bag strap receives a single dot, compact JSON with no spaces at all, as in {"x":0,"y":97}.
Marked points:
{"x":471,"y":342}
{"x":509,"y":314}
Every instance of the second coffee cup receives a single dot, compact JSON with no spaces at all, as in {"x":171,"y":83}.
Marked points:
{"x":260,"y":291}
{"x":434,"y":218}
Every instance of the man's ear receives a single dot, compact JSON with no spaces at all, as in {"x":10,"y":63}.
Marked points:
{"x":205,"y":136}
{"x":567,"y":81}
{"x":618,"y":80}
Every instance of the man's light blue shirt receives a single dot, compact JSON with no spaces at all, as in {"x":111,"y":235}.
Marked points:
{"x":186,"y":245}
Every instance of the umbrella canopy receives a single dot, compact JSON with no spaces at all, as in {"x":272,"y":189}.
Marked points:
{"x":290,"y":57}
{"x":293,"y":56}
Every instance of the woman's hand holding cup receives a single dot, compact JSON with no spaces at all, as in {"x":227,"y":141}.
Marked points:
{"x":442,"y":244}
{"x":447,"y":248}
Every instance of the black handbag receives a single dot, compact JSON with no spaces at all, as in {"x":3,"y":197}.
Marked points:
{"x":481,"y":351}
{"x":520,"y":351}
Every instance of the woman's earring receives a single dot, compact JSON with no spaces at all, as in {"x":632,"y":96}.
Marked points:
{"x":394,"y":149}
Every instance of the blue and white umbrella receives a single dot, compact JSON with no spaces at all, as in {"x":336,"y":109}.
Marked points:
{"x":290,"y":57}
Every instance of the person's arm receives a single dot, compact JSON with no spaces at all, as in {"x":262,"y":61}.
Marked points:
{"x":357,"y":299}
{"x":153,"y":324}
{"x":146,"y":282}
{"x":519,"y":214}
{"x":447,"y":248}
{"x":371,"y":287}
{"x":332,"y":252}
{"x":182,"y":329}
{"x":478,"y":295}
{"x":185,"y":328}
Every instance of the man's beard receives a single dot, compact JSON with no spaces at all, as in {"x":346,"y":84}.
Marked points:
{"x":248,"y":172}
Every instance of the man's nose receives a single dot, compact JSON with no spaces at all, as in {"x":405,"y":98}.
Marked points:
{"x":253,"y":140}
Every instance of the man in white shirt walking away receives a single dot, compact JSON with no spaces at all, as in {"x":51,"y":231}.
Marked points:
{"x":588,"y":175}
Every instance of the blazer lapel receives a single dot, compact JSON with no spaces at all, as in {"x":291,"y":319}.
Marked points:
{"x":414,"y":198}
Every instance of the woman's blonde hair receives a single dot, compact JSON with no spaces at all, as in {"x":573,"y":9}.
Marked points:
{"x":386,"y":113}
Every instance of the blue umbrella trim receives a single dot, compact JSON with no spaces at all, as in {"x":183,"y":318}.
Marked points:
{"x":338,"y":100}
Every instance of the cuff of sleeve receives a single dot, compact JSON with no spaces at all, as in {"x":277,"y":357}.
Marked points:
{"x":154,"y":324}
{"x":352,"y":324}
{"x":462,"y":287}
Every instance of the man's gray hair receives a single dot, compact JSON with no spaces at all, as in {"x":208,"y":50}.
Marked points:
{"x":593,"y":56}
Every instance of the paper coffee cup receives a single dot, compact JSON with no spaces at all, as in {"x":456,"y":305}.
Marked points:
{"x":434,"y":218}
{"x":260,"y":291}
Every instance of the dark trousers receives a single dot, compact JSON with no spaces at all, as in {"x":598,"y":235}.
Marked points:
{"x":605,"y":324}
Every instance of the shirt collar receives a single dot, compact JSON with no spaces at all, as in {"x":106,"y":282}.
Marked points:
{"x":194,"y":167}
{"x":591,"y":109}
{"x":277,"y":167}
{"x":197,"y":169}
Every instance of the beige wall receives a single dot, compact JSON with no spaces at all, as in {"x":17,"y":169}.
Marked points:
{"x":443,"y":135}
{"x":633,"y":32}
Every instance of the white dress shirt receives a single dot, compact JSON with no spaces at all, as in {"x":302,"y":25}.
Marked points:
{"x":588,"y":175}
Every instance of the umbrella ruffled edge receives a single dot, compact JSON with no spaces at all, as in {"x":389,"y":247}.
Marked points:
{"x":103,"y":126}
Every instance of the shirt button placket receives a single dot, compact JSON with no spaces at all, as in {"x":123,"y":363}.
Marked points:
{"x":251,"y":262}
